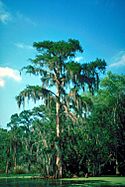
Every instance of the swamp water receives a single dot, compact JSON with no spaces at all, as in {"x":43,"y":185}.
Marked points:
{"x":50,"y":183}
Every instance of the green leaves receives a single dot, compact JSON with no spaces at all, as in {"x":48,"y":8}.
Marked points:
{"x":73,"y":68}
{"x":64,"y":90}
{"x":114,"y":83}
{"x":33,"y":92}
{"x":60,"y":48}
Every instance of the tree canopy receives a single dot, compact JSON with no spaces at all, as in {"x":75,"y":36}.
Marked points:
{"x":79,"y":126}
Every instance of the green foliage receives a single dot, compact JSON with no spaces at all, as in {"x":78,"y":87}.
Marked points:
{"x":19,"y":170}
{"x":4,"y":143}
{"x":78,"y":123}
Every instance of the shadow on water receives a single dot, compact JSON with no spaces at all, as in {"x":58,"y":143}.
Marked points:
{"x":54,"y":183}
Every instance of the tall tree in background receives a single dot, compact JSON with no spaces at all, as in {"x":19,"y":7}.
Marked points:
{"x":50,"y":64}
{"x":114,"y":93}
{"x":62,"y":79}
{"x":14,"y":137}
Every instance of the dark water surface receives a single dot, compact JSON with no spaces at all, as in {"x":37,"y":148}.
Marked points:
{"x":50,"y":183}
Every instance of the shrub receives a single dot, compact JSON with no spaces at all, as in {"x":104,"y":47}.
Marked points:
{"x":34,"y":169}
{"x":19,"y":170}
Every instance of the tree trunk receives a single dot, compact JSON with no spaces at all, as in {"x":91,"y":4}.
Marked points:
{"x":57,"y":119}
{"x":58,"y":165}
{"x":14,"y":156}
{"x":8,"y":160}
{"x":117,"y":170}
{"x":7,"y":166}
{"x":58,"y":156}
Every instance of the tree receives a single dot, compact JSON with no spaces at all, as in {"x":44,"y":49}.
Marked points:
{"x":44,"y":140}
{"x":114,"y":91}
{"x":106,"y":127}
{"x":62,"y":79}
{"x":50,"y":64}
{"x":4,"y":150}
{"x":14,"y":136}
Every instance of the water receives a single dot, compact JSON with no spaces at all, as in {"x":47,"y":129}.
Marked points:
{"x":50,"y":183}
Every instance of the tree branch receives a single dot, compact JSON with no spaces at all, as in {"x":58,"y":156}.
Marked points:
{"x":70,"y":114}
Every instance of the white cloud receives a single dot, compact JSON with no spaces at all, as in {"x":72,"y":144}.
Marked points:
{"x":2,"y":82}
{"x":78,"y":59}
{"x":9,"y":73}
{"x":24,"y":18}
{"x":5,"y":16}
{"x":118,"y":60}
{"x":23,"y":46}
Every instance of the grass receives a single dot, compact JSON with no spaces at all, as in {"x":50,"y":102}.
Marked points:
{"x":98,"y":181}
{"x":91,"y":181}
{"x":18,"y":176}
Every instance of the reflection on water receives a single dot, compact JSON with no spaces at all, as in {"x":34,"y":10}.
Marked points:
{"x":49,"y":183}
{"x":29,"y":183}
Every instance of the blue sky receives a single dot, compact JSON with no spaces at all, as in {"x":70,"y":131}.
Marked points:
{"x":99,"y":25}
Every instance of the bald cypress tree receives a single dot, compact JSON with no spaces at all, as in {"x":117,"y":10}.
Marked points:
{"x":62,"y":78}
{"x":50,"y":65}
